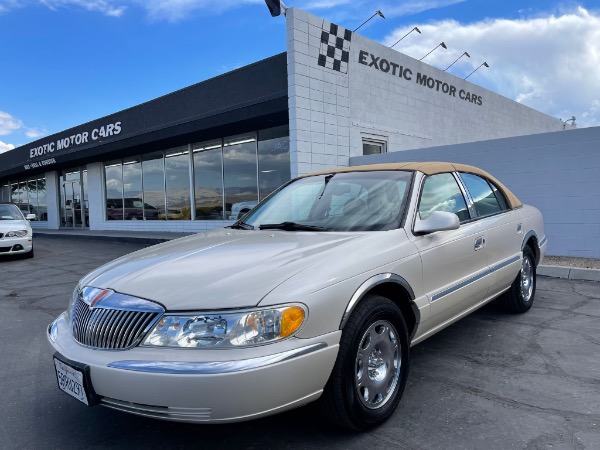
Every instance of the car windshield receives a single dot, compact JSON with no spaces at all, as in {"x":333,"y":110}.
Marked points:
{"x":10,"y":212}
{"x":345,"y":201}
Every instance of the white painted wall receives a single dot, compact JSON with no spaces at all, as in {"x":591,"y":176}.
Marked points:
{"x":559,"y":173}
{"x":330,"y":111}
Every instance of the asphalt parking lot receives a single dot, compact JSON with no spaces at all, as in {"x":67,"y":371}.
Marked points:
{"x":493,"y":380}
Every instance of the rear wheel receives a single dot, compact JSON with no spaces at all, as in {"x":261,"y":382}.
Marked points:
{"x":520,"y":296}
{"x":371,"y":369}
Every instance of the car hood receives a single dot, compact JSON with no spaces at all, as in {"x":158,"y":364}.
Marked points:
{"x":13,"y":225}
{"x":218,"y":269}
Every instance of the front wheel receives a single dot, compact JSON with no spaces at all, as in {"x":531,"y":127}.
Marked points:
{"x":371,"y":369}
{"x":520,"y":296}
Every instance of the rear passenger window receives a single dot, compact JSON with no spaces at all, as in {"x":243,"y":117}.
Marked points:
{"x":485,"y":201}
{"x":441,"y":193}
{"x":500,"y":196}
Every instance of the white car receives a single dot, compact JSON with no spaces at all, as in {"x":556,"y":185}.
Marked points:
{"x":318,"y":294}
{"x":16,"y":235}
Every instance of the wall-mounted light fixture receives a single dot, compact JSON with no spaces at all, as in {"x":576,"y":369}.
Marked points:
{"x":482,"y":64}
{"x":276,"y":7}
{"x":377,"y":13}
{"x":414,"y":29}
{"x":441,"y":44}
{"x":465,"y":53}
{"x":572,"y":120}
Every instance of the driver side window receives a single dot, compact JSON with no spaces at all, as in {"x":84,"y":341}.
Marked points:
{"x":441,"y":193}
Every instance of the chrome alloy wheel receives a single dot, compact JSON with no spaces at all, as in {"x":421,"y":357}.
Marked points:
{"x":526,"y":279}
{"x":377,"y":367}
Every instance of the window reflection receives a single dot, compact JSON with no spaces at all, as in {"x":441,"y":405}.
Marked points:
{"x":113,"y":172}
{"x":42,"y":205}
{"x":208,"y":180}
{"x":228,"y":177}
{"x":5,"y":193}
{"x":273,"y":159}
{"x":153,"y":172}
{"x":133,"y":205}
{"x":240,"y":175}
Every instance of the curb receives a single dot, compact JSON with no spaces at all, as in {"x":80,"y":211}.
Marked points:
{"x":571,"y":273}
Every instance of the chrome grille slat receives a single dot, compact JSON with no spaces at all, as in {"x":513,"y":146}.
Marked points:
{"x":129,"y":332}
{"x":111,"y":328}
{"x":110,"y":337}
{"x":105,"y":324}
{"x":121,"y":337}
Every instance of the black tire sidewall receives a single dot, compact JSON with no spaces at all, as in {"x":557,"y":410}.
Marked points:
{"x":527,"y":253}
{"x":361,"y":416}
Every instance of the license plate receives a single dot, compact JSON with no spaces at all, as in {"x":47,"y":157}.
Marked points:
{"x":70,"y":380}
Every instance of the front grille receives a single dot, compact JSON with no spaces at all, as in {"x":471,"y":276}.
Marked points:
{"x":1,"y":235}
{"x":112,"y":327}
{"x":5,"y":249}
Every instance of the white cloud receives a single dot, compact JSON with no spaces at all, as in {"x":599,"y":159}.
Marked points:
{"x":175,"y":10}
{"x":9,"y":124}
{"x":8,"y":5}
{"x":4,"y":147}
{"x":35,"y":133}
{"x":549,"y":63}
{"x":106,"y":7}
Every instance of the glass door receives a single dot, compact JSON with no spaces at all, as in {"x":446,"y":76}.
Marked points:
{"x":74,"y":204}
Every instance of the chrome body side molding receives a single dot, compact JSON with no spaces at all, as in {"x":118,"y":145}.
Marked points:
{"x":475,"y":277}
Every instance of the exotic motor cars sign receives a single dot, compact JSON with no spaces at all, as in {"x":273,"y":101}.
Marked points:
{"x":397,"y":70}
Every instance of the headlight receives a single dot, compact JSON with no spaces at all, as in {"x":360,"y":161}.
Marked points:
{"x":21,"y":233}
{"x":235,"y":329}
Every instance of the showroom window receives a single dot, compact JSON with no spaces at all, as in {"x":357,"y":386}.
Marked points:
{"x":208,"y":180}
{"x":113,"y":173}
{"x":273,"y":159}
{"x":240,"y":175}
{"x":133,"y":206}
{"x":153,"y":175}
{"x":219,"y":179}
{"x":29,"y":195}
{"x":177,"y":177}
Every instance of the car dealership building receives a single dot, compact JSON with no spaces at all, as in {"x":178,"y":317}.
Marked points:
{"x":200,"y":157}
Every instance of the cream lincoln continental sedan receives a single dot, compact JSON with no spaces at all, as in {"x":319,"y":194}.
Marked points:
{"x":318,"y":293}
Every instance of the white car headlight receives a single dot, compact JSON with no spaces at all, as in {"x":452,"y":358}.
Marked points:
{"x":20,"y":233}
{"x":231,"y":329}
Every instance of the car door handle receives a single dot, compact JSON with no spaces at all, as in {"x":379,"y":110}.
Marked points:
{"x":479,"y":243}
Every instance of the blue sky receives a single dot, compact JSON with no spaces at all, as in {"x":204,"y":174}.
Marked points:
{"x":65,"y":62}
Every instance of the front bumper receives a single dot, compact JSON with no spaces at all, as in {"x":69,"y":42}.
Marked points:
{"x":191,"y":385}
{"x":15,"y":245}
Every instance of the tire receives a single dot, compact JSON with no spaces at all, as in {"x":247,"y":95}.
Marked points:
{"x":519,"y":298}
{"x":355,"y":397}
{"x":29,"y":254}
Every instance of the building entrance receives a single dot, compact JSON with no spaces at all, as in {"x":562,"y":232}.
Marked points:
{"x":74,"y":202}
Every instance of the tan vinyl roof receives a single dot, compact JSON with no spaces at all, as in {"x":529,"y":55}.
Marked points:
{"x":429,"y":168}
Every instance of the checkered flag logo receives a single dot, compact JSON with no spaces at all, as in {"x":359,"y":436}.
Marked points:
{"x":335,"y":48}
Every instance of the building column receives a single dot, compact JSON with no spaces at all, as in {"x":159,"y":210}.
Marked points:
{"x":53,"y":199}
{"x":95,"y":190}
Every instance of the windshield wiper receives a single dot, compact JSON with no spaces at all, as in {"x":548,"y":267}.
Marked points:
{"x":290,"y":226}
{"x":240,"y":225}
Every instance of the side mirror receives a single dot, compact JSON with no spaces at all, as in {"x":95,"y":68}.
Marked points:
{"x":437,"y":221}
{"x":30,"y":216}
